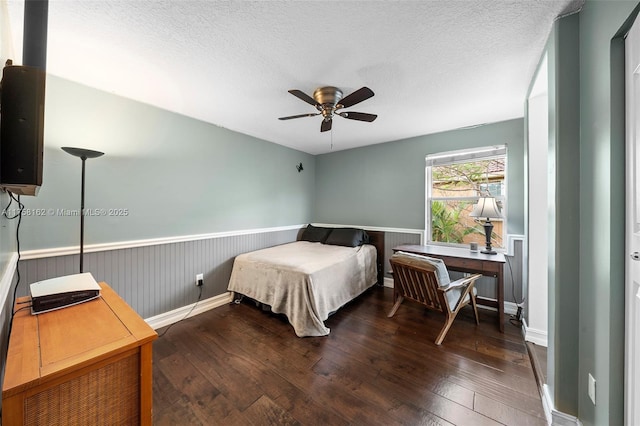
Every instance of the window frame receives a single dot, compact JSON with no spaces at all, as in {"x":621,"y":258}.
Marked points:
{"x":464,"y":156}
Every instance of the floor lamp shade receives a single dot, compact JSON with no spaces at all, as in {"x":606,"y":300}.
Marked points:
{"x":83,"y":154}
{"x":487,"y":208}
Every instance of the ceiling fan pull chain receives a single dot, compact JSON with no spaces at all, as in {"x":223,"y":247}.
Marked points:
{"x":332,"y":139}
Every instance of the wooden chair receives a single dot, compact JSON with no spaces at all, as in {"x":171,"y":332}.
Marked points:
{"x":426,"y":281}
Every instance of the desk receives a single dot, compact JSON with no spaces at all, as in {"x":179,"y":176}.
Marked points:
{"x":463,"y":260}
{"x":83,"y":364}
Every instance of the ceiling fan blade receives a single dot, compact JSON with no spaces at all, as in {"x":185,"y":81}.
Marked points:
{"x":301,"y":95}
{"x":360,"y":116}
{"x":326,"y":125}
{"x":358,"y":96}
{"x":299,"y":116}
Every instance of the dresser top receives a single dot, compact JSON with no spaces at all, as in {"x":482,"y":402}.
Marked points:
{"x":45,"y":346}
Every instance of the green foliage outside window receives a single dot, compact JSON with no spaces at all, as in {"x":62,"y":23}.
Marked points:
{"x":455,"y":189}
{"x":446,"y":225}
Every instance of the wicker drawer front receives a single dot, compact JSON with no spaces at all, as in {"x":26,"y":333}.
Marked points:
{"x":109,"y":395}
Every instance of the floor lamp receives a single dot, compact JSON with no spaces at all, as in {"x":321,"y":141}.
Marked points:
{"x":488,"y":209}
{"x":83,"y":154}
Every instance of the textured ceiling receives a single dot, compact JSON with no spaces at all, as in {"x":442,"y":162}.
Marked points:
{"x":433,"y":65}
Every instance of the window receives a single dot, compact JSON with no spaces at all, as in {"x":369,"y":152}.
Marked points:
{"x":454,"y":182}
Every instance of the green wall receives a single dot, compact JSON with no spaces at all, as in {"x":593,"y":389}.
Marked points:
{"x":384,"y":185}
{"x":564,"y":214}
{"x":175,"y":175}
{"x":602,"y":148}
{"x":587,"y":123}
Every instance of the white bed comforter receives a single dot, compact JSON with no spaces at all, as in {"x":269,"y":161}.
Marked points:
{"x":305,"y":281}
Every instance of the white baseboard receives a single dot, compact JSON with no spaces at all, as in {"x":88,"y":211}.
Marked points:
{"x":547,"y":403}
{"x":179,"y":314}
{"x":539,"y":337}
{"x":555,"y":417}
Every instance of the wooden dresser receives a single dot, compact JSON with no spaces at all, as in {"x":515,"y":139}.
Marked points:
{"x":84,"y":364}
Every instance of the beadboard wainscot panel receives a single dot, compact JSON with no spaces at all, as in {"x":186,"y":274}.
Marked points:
{"x":393,"y":239}
{"x":157,"y":276}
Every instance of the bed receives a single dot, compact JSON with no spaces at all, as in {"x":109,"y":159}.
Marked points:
{"x":308,"y":280}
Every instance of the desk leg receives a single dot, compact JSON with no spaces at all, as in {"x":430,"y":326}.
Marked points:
{"x":500,"y":279}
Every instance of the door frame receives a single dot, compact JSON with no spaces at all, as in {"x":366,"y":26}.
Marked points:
{"x":632,"y":67}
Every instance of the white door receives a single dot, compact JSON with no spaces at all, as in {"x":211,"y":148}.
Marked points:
{"x":632,"y":296}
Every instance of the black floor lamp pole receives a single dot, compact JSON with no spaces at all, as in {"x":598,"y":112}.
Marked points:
{"x":84,"y":160}
{"x":83,"y":154}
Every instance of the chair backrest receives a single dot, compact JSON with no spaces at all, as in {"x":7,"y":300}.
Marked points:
{"x":415,"y":278}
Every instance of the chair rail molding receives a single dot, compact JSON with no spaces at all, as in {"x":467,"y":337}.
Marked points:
{"x":7,"y":278}
{"x":94,"y":248}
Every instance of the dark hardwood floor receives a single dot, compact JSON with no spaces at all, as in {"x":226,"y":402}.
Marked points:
{"x":538,"y":357}
{"x":239,"y":365}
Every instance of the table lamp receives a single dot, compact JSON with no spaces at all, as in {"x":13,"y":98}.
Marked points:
{"x":488,"y":209}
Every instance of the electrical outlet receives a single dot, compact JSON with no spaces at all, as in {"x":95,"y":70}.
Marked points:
{"x":592,"y":389}
{"x":199,"y":280}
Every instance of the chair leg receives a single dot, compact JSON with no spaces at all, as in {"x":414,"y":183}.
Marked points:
{"x":445,"y":329}
{"x":393,"y":310}
{"x":475,"y":308}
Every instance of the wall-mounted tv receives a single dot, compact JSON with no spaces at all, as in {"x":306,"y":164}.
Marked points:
{"x":22,"y":129}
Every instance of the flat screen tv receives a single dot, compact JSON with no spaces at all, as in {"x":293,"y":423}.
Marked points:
{"x":22,"y":129}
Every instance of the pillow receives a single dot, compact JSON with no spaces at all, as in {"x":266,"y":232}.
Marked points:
{"x":441,"y":268}
{"x":348,"y":237}
{"x":315,"y":234}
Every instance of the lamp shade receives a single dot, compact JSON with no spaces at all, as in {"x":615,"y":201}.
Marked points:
{"x":486,"y":207}
{"x":82,"y":152}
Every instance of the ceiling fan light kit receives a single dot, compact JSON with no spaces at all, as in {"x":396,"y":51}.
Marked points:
{"x":329,"y":101}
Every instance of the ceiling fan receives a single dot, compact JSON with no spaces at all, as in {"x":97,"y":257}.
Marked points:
{"x":329,"y":102}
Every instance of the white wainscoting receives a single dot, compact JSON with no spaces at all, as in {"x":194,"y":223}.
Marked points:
{"x":6,"y":280}
{"x":156,"y":276}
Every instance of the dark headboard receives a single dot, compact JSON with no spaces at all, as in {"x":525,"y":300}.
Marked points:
{"x":376,"y":238}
